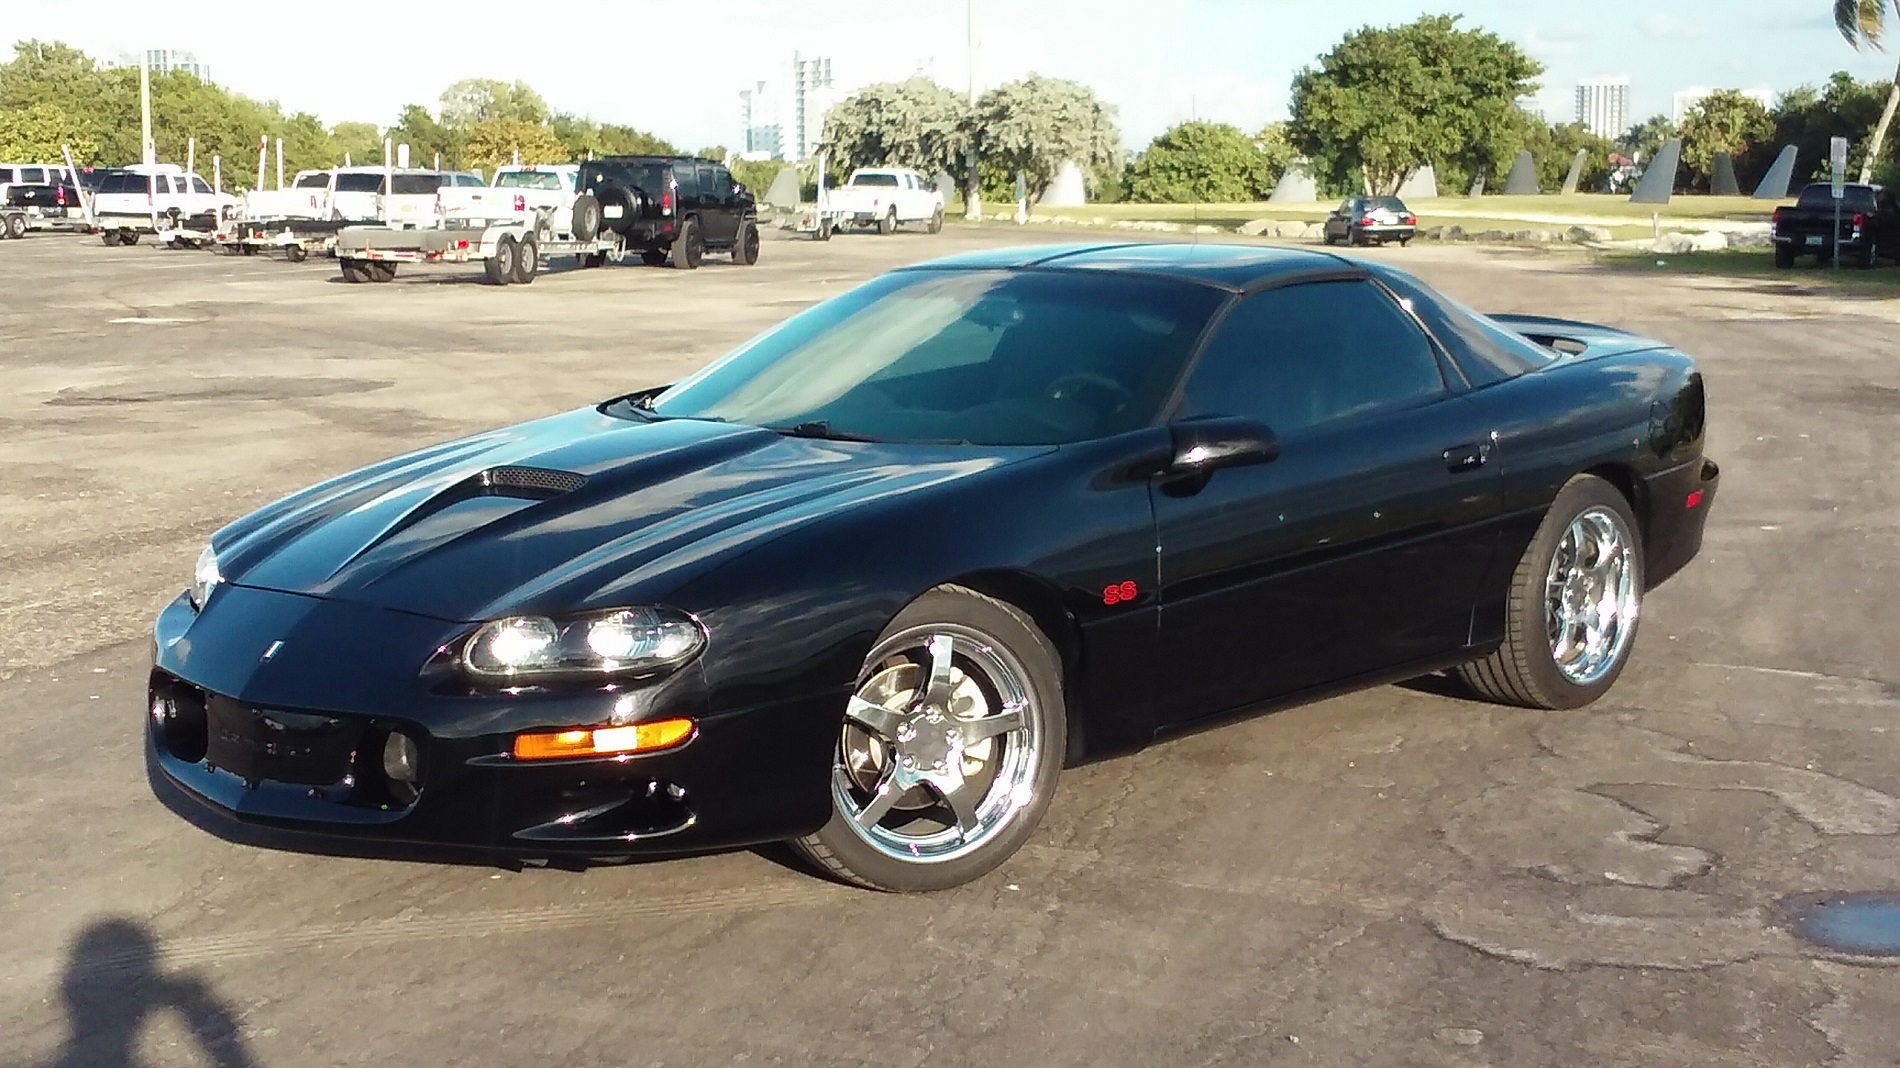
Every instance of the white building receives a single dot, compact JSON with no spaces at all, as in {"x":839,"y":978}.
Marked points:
{"x":1693,"y":95}
{"x":758,"y":112}
{"x":167,"y":60}
{"x":813,"y":93}
{"x":1603,"y":106}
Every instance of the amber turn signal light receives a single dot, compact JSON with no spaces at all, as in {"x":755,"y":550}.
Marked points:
{"x":604,"y":741}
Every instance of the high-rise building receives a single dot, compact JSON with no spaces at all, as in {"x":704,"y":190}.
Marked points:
{"x":1603,"y":106}
{"x":758,"y":111}
{"x":167,"y":60}
{"x":812,"y":95}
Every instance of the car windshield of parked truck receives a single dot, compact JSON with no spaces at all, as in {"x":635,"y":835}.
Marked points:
{"x":1821,"y":198}
{"x":359,"y":183}
{"x":983,"y":357}
{"x":124,"y":183}
{"x":529,"y":180}
{"x":415,"y":185}
{"x":874,"y":179}
{"x":313,"y":181}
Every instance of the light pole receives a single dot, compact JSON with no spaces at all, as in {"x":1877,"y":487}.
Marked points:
{"x":972,"y":185}
{"x":148,"y":152}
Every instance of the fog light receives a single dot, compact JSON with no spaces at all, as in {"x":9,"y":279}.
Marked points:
{"x":400,"y":758}
{"x":604,"y":741}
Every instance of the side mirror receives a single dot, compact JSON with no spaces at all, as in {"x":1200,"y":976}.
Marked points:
{"x":1207,"y":445}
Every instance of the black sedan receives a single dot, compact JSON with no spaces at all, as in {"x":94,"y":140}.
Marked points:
{"x":870,"y":581}
{"x":1371,"y":221}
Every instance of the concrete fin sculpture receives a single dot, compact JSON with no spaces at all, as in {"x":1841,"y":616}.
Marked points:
{"x":1066,"y":189}
{"x":1658,"y":182}
{"x":1421,"y":186}
{"x":1522,"y":181}
{"x":784,"y":190}
{"x":1295,"y":187}
{"x":1576,"y":171}
{"x":1722,"y":181}
{"x":1780,"y":177}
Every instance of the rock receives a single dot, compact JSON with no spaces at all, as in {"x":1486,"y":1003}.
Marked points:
{"x":1124,"y":224}
{"x":1492,"y":235}
{"x":1456,"y":233}
{"x":1256,"y":227}
{"x":1709,"y":241}
{"x":1673,"y":244}
{"x":1317,"y":231}
{"x":1288,"y":228}
{"x":1750,"y":239}
{"x":1589,"y":234}
{"x":1435,"y":233}
{"x":1098,"y":221}
{"x":1203,"y":228}
{"x":1544,"y":237}
{"x":1460,"y":1036}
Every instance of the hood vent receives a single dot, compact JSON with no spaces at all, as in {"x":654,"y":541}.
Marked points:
{"x":535,"y":483}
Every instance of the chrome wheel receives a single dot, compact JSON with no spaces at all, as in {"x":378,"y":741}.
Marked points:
{"x":1591,"y":596}
{"x":940,"y":749}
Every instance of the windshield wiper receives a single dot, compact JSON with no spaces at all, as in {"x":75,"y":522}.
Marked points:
{"x":821,"y":429}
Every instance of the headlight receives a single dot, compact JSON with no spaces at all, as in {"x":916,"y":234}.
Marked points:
{"x":204,"y":577}
{"x":630,"y":641}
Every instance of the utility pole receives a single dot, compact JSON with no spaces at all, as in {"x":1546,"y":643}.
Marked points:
{"x":147,"y":151}
{"x":972,"y":186}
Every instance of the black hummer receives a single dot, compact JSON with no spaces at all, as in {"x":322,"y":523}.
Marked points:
{"x":671,"y":209}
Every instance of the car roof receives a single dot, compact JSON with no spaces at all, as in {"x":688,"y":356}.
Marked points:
{"x":1228,"y":266}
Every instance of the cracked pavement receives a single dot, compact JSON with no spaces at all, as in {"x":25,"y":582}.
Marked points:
{"x":1398,"y":877}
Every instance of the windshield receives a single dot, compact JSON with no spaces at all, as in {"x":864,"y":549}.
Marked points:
{"x":313,"y":181}
{"x":528,"y":180}
{"x":874,"y":179}
{"x":359,"y":183}
{"x":410,"y":185}
{"x":985,"y":357}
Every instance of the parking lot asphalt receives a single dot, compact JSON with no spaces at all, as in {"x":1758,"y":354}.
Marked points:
{"x":1398,"y":877}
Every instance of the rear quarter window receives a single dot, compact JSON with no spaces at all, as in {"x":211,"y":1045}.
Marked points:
{"x":410,"y":185}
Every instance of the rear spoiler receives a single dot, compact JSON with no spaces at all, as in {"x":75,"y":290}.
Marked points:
{"x":1574,"y":340}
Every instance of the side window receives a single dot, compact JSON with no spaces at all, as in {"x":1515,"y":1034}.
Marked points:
{"x":687,"y":175}
{"x":1302,"y":355}
{"x":721,"y":188}
{"x":709,"y":185}
{"x":199,"y":185}
{"x":1345,"y":208}
{"x":33,"y":175}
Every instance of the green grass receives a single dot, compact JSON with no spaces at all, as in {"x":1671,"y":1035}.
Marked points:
{"x":1462,"y":211}
{"x":1756,"y":264}
{"x":1214,"y":216}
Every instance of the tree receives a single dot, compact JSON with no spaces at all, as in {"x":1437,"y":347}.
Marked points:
{"x":1723,"y":121}
{"x":497,"y":141}
{"x":1034,"y":126}
{"x":1555,"y":148}
{"x":1808,"y":118}
{"x":717,"y":152}
{"x":1646,"y":138}
{"x":1387,"y":101}
{"x":1865,"y":22}
{"x":475,"y":100}
{"x":1199,"y":163}
{"x":361,"y":141}
{"x":426,"y":137}
{"x":40,"y":131}
{"x":915,"y":123}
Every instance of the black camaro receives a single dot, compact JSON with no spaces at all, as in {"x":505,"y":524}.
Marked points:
{"x":871,"y":580}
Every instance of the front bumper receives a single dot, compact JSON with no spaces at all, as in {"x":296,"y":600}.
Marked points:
{"x":294,"y":740}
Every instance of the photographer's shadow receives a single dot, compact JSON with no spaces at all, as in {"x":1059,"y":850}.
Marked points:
{"x":113,"y":987}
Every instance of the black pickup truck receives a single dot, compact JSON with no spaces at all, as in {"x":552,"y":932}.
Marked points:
{"x":1868,"y":227}
{"x":27,"y":207}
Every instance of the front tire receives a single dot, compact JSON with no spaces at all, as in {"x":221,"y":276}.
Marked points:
{"x":949,"y":752}
{"x":745,"y":248}
{"x":1570,"y":620}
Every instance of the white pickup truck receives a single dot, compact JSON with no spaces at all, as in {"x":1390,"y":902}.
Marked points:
{"x":885,"y":197}
{"x":160,"y":198}
{"x":307,"y":197}
{"x":518,"y":191}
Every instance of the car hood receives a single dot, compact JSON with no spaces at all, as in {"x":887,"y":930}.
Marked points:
{"x":578,"y":511}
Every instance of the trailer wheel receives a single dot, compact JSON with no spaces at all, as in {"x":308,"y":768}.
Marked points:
{"x":381,"y":271}
{"x":500,"y":268}
{"x":16,"y":226}
{"x":354,"y":271}
{"x":823,"y":232}
{"x":293,"y":253}
{"x":128,"y":237}
{"x":527,"y":260}
{"x":745,"y":248}
{"x":108,"y":238}
{"x":586,"y":225}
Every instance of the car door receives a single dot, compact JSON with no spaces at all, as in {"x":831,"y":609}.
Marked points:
{"x":1361,"y":546}
{"x":718,"y":217}
{"x":1339,"y":223}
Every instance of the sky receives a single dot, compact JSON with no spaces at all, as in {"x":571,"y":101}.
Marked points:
{"x":1158,"y":63}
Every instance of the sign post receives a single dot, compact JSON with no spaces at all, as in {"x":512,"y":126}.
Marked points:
{"x":1837,"y":156}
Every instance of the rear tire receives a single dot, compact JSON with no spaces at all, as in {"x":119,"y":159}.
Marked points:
{"x":1524,"y":670}
{"x":993,"y":659}
{"x":354,"y":271}
{"x":527,"y":260}
{"x":888,"y":224}
{"x":500,"y":268}
{"x":1869,"y":256}
{"x":293,"y":253}
{"x":593,"y":259}
{"x":1784,"y":256}
{"x":109,"y":238}
{"x":688,"y":247}
{"x":745,"y":247}
{"x":128,"y":237}
{"x":381,"y":271}
{"x":16,"y":227}
{"x":936,"y":221}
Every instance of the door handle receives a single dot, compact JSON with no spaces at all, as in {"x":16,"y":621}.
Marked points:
{"x":1467,"y":457}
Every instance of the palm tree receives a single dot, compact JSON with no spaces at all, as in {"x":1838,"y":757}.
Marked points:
{"x":1864,"y":22}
